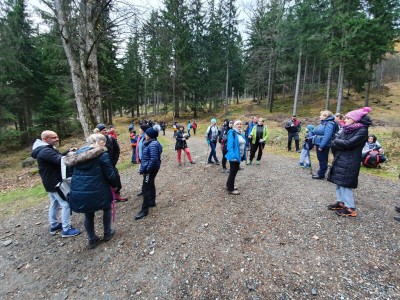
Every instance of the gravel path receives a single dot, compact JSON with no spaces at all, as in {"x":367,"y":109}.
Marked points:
{"x":276,"y":240}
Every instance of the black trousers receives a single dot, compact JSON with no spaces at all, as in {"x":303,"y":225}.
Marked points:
{"x":234,"y":168}
{"x":149,"y":190}
{"x":254,"y":147}
{"x":224,"y":152}
{"x":291,"y":136}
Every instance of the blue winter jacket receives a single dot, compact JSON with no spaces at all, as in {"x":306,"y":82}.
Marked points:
{"x":323,"y":133}
{"x":92,"y":178}
{"x":151,"y":158}
{"x":233,"y":146}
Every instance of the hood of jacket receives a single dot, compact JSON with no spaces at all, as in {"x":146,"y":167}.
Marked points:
{"x":366,"y":120}
{"x":37,"y":146}
{"x":82,"y":155}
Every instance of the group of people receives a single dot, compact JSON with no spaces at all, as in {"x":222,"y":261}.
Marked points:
{"x":95,"y":183}
{"x":347,"y":137}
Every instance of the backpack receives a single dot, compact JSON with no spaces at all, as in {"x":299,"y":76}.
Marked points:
{"x":335,"y":132}
{"x":372,"y":159}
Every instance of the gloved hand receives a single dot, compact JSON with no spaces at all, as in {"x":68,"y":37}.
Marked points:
{"x":261,"y":141}
{"x":208,"y":141}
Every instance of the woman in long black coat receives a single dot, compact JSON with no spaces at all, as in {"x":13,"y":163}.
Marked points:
{"x":347,"y":148}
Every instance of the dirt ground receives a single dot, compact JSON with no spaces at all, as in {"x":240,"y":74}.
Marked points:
{"x":276,"y":240}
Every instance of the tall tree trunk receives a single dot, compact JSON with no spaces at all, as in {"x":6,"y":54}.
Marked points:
{"x":226,"y":88}
{"x":340,"y":88}
{"x":272,"y":88}
{"x":296,"y":94}
{"x":83,"y":66}
{"x":328,"y":85}
{"x":304,"y":82}
{"x":110,"y":112}
{"x":312,"y":81}
{"x":269,"y":85}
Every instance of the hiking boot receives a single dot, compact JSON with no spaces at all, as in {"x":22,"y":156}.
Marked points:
{"x":192,"y":162}
{"x":119,"y":198}
{"x":301,"y":165}
{"x":224,"y":170}
{"x":141,"y":214}
{"x":397,"y":219}
{"x":307,"y":166}
{"x":234,"y":192}
{"x":108,"y":237}
{"x":234,"y":188}
{"x":257,"y":162}
{"x":397,"y":208}
{"x":70,"y":232}
{"x":318,"y":177}
{"x":55,"y":229}
{"x":217,"y":163}
{"x":347,"y":212}
{"x":248,"y":162}
{"x":93,"y":243}
{"x":336,"y":206}
{"x":210,"y":162}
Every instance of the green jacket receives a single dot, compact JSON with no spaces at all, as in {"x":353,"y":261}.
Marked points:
{"x":253,"y":134}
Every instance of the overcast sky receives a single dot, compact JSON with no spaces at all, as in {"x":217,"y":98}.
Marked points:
{"x":243,"y":8}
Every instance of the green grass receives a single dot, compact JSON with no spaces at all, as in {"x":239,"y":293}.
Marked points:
{"x":16,"y":200}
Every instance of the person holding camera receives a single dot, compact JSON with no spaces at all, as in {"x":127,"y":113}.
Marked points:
{"x":181,"y":144}
{"x":293,"y":128}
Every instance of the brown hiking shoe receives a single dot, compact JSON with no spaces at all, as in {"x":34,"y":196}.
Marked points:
{"x":336,"y":206}
{"x":347,"y":212}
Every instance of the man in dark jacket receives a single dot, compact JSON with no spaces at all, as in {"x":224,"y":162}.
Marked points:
{"x":293,"y":128}
{"x":113,"y":151}
{"x":149,"y":166}
{"x":49,"y":162}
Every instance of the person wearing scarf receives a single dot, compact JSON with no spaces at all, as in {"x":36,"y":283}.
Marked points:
{"x":236,"y":146}
{"x":347,"y":151}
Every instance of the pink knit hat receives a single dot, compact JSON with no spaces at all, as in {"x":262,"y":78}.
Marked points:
{"x":357,"y":114}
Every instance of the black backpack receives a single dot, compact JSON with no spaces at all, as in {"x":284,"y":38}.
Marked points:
{"x":335,"y":132}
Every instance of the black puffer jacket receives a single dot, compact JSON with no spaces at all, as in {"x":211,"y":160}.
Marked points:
{"x":180,"y":141}
{"x":347,"y":155}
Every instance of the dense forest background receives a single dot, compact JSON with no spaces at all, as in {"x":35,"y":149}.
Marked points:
{"x":89,"y":60}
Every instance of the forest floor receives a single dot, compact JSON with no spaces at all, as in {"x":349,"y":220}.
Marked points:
{"x":276,"y":240}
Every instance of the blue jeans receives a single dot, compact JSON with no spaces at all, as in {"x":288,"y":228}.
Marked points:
{"x":305,"y":157}
{"x":213,"y":153}
{"x":344,"y":194}
{"x":89,"y":223}
{"x":55,"y":203}
{"x":323,"y":161}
